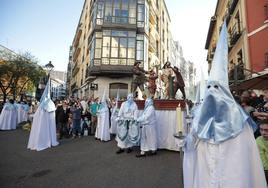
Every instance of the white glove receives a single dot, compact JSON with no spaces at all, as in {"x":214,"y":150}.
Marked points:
{"x":180,"y":143}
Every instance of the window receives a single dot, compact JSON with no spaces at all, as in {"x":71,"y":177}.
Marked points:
{"x":115,"y":87}
{"x":100,"y":11}
{"x":163,"y":35}
{"x":237,"y":22}
{"x":141,"y":15}
{"x":240,"y":57}
{"x":167,"y":44}
{"x":98,"y":45}
{"x":157,"y":24}
{"x":114,"y":47}
{"x":157,"y":48}
{"x":140,"y":48}
{"x":163,"y":56}
{"x":120,"y":11}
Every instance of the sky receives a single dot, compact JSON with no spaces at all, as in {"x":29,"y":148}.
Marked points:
{"x":46,"y":28}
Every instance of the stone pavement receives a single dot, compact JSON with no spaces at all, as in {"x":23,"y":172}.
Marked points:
{"x":82,"y":162}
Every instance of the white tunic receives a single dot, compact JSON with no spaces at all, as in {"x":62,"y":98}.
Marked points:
{"x":22,"y":113}
{"x":148,"y":133}
{"x":114,"y":116}
{"x":8,"y":117}
{"x":126,"y":112}
{"x":43,"y":131}
{"x":234,"y":163}
{"x":102,"y":130}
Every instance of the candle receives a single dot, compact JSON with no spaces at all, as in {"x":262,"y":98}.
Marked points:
{"x":179,"y":118}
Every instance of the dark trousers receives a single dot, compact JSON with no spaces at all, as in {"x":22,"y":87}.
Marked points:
{"x":63,"y":130}
{"x":76,"y":126}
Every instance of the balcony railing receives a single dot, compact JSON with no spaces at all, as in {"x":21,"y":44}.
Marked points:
{"x":110,"y":70}
{"x":237,"y":73}
{"x":213,"y":49}
{"x":119,"y":20}
{"x":73,"y":86}
{"x":76,"y":53}
{"x":77,"y":37}
{"x":152,"y":17}
{"x":152,"y":44}
{"x":235,"y":34}
{"x":75,"y":70}
{"x":231,"y":6}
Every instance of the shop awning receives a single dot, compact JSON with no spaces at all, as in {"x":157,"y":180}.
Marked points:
{"x":259,"y":82}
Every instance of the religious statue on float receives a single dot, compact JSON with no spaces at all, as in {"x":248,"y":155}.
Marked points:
{"x":170,"y":76}
{"x":172,"y":79}
{"x":139,"y":77}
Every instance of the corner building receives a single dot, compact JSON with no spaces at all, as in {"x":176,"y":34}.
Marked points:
{"x":111,"y":35}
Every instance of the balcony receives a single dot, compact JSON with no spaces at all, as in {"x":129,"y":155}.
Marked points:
{"x":112,"y":71}
{"x":234,"y":35}
{"x":73,"y":86}
{"x":117,"y":21}
{"x":213,"y":49}
{"x":77,"y":37}
{"x":231,"y":6}
{"x":212,"y":24}
{"x":153,"y":6}
{"x":152,"y":44}
{"x":237,"y":73}
{"x":76,"y":53}
{"x":75,"y":70}
{"x":152,"y":17}
{"x":89,"y":77}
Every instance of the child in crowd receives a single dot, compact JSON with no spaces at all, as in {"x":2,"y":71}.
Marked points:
{"x":262,"y":142}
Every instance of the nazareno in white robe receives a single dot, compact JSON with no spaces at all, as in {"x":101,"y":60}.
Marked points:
{"x":147,"y":121}
{"x":43,"y":131}
{"x":234,"y":163}
{"x":22,"y":113}
{"x":126,"y":112}
{"x":102,"y":130}
{"x":114,"y":116}
{"x":8,"y":117}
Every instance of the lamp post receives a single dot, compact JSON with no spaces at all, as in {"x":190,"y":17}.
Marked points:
{"x":49,"y":68}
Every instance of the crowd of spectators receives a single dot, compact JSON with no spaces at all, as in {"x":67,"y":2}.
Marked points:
{"x":257,"y":108}
{"x":76,"y":117}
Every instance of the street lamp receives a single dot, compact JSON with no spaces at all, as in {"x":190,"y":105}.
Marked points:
{"x":49,"y":67}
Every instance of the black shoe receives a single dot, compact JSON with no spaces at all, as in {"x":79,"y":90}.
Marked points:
{"x":152,"y":153}
{"x":119,"y":151}
{"x":129,"y":150}
{"x":140,"y":155}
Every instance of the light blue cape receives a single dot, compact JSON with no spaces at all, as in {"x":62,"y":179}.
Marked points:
{"x":219,"y":118}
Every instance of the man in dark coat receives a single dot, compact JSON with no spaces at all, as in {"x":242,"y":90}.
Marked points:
{"x":178,"y":82}
{"x":62,"y":115}
{"x":138,"y":77}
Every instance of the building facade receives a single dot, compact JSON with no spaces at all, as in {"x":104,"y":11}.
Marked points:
{"x":58,"y":89}
{"x":111,"y":35}
{"x":69,"y":73}
{"x":257,"y":27}
{"x":58,"y":84}
{"x":247,"y":37}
